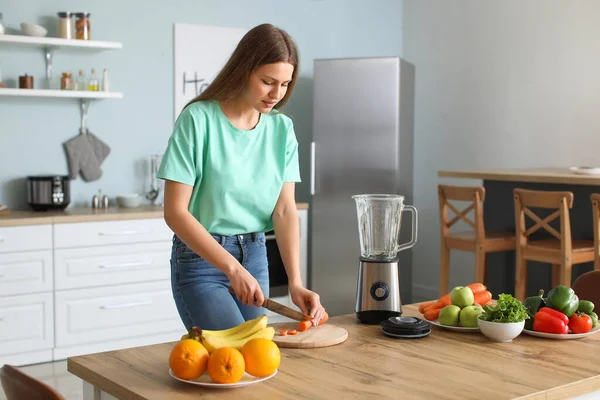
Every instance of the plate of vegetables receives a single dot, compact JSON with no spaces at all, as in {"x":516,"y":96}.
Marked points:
{"x":562,"y":315}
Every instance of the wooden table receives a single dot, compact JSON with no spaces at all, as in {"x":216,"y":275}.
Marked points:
{"x":499,"y":215}
{"x":443,"y":365}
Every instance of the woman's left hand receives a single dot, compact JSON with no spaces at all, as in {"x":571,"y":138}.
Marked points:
{"x":309,"y":302}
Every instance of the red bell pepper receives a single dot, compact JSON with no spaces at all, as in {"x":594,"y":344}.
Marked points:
{"x":548,"y":320}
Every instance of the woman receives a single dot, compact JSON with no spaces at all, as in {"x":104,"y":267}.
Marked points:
{"x":229,"y":172}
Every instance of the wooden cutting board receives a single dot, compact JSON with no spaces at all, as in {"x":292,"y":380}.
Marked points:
{"x":319,"y":336}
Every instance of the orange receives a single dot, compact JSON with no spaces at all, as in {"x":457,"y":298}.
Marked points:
{"x":261,"y":356}
{"x":226,"y":365}
{"x":188,"y":359}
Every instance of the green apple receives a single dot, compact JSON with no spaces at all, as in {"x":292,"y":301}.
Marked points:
{"x":468,"y":315}
{"x":462,"y":296}
{"x":449,"y":315}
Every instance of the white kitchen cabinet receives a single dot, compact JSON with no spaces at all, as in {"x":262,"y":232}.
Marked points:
{"x":109,"y":265}
{"x":83,"y":234}
{"x":25,"y":272}
{"x":25,"y":238}
{"x":26,"y":328}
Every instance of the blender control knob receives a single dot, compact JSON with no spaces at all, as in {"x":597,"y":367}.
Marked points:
{"x":380,"y":291}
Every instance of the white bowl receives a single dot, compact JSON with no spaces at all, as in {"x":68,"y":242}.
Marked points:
{"x":129,"y":200}
{"x":33,"y":30}
{"x":500,"y":331}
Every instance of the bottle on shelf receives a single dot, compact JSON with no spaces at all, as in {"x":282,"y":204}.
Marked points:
{"x":105,"y":86}
{"x":80,"y":83}
{"x":66,"y":82}
{"x":94,"y":83}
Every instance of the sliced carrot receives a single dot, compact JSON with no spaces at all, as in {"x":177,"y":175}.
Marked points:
{"x":324,"y":319}
{"x":304,"y":325}
{"x":423,"y":306}
{"x":283,"y":332}
{"x":482,"y":298}
{"x":292,"y":332}
{"x":432,"y":314}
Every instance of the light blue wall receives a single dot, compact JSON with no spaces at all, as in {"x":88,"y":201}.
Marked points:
{"x":32,"y":130}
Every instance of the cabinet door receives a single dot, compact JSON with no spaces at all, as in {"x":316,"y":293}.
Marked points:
{"x":25,"y":238}
{"x":107,"y":265}
{"x":26,"y":323}
{"x":84,"y":234}
{"x":27,"y":272}
{"x":118,"y":312}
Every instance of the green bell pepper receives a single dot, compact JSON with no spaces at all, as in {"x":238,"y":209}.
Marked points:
{"x":534,"y":303}
{"x":585,"y":306}
{"x":563,"y":299}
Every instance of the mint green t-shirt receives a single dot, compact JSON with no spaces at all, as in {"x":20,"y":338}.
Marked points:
{"x":237,"y":175}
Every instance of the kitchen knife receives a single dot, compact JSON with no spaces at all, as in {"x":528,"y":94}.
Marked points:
{"x":280,"y":309}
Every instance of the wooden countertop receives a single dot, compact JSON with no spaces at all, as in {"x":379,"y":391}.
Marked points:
{"x":445,"y":364}
{"x":85,"y":214}
{"x":539,"y":175}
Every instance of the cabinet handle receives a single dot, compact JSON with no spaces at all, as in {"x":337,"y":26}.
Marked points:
{"x":121,"y":233}
{"x":313,"y":161}
{"x":126,"y":305}
{"x":125,"y":265}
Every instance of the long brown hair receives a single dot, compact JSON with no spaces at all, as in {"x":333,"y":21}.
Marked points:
{"x":263,"y":44}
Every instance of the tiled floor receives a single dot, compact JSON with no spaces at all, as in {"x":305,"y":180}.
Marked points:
{"x":56,"y":375}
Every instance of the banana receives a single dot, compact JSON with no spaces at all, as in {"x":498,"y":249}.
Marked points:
{"x":257,"y":325}
{"x":235,"y":329}
{"x":212,"y":343}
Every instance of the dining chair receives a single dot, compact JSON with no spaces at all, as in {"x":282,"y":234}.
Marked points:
{"x":561,"y":251}
{"x":18,"y":385}
{"x":476,"y":240}
{"x":587,"y":285}
{"x":596,"y":221}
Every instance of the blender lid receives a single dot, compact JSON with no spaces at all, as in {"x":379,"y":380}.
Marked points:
{"x":408,"y":327}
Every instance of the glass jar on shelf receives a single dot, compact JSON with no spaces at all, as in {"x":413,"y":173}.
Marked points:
{"x":82,"y":26}
{"x":93,"y":83}
{"x":66,"y":82}
{"x":1,"y":25}
{"x":65,"y":25}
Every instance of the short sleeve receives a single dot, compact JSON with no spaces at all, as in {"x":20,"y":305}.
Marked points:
{"x":179,"y":162}
{"x":292,"y":165}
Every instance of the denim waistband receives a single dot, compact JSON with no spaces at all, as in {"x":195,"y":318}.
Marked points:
{"x":223,"y":239}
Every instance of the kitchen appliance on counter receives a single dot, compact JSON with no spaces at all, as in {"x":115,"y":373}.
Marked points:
{"x":48,"y":192}
{"x":379,"y":224}
{"x":363,"y":143}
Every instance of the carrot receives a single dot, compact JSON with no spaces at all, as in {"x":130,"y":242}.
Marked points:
{"x":423,"y":306}
{"x":304,"y":325}
{"x":482,"y":298}
{"x":443,"y":301}
{"x":431,"y":307}
{"x":477,"y":287}
{"x":432,"y":314}
{"x":283,"y":332}
{"x":293,"y":332}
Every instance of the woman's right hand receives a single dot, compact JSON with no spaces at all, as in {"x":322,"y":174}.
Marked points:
{"x":246,"y":287}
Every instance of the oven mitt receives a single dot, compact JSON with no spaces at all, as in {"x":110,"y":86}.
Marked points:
{"x":81,"y":158}
{"x":101,"y":149}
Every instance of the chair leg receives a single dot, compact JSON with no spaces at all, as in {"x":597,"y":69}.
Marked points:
{"x":444,"y":270}
{"x":597,"y":264}
{"x":566,"y":274}
{"x":520,"y":278}
{"x":555,"y":275}
{"x":480,"y":266}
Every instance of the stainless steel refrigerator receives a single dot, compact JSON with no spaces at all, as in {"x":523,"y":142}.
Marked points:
{"x":362,"y":143}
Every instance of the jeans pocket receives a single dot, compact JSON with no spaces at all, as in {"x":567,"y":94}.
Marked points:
{"x":185,"y":255}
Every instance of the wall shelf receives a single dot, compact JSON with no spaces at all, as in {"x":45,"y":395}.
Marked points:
{"x":74,"y":94}
{"x":58,"y":42}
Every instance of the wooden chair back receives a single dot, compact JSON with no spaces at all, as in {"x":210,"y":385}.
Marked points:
{"x":562,"y":202}
{"x":18,"y":385}
{"x":596,"y":221}
{"x":587,"y":285}
{"x":473,"y":194}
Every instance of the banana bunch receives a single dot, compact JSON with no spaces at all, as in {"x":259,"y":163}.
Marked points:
{"x":234,"y":337}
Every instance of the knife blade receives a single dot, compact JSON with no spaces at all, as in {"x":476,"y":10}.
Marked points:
{"x":281,"y":309}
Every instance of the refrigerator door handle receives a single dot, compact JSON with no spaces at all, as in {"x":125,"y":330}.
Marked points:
{"x":313,"y":155}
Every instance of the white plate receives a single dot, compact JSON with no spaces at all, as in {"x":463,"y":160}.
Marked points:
{"x":454,"y":328}
{"x":561,"y":336}
{"x":585,"y":170}
{"x":205,"y":381}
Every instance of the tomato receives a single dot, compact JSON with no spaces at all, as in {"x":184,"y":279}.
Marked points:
{"x":580,"y":323}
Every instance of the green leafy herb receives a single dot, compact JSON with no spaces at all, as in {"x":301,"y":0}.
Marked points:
{"x":506,"y":309}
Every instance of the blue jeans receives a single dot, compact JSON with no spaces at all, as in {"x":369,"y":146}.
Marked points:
{"x":201,"y":291}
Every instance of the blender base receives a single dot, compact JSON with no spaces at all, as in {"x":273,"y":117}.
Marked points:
{"x":373,"y":317}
